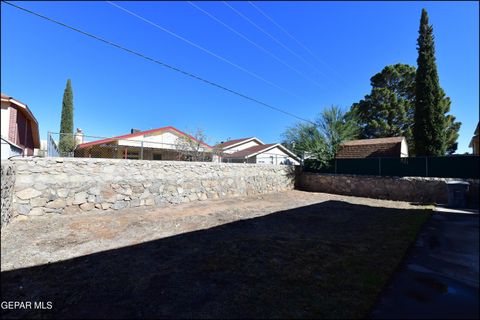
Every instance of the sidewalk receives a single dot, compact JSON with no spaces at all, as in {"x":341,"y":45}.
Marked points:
{"x":440,"y":276}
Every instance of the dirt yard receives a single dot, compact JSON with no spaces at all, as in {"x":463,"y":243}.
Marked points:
{"x":291,"y":254}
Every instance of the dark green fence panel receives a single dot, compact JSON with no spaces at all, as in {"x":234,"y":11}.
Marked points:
{"x":462,"y":166}
{"x":367,"y":166}
{"x":311,"y":165}
{"x":454,"y":167}
{"x":403,"y":167}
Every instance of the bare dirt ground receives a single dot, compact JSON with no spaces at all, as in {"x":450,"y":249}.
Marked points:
{"x":290,"y":254}
{"x":50,"y":238}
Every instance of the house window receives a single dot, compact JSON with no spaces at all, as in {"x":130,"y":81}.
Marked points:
{"x":157,"y":156}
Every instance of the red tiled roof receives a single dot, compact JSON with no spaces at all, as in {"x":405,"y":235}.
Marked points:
{"x":365,"y":148}
{"x":136,"y":134}
{"x":232,"y":142}
{"x":373,"y":141}
{"x":249,"y":151}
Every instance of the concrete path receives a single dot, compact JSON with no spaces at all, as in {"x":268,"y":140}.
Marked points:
{"x":440,"y":276}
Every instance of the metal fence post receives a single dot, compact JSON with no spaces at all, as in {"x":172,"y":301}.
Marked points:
{"x":49,"y":136}
{"x":141,"y":151}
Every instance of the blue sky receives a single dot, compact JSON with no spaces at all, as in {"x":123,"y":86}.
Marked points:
{"x":115,"y":91}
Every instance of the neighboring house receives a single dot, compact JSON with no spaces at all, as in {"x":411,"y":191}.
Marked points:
{"x":253,"y":150}
{"x":19,"y":133}
{"x":155,"y":144}
{"x":373,"y":148}
{"x":42,"y":151}
{"x":474,"y":143}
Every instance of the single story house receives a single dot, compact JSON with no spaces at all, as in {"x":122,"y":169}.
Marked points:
{"x":253,"y":150}
{"x":373,"y":148}
{"x":19,"y":129}
{"x":474,"y":143}
{"x":156,"y":144}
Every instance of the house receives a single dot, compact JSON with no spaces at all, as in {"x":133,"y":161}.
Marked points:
{"x":253,"y":150}
{"x":19,"y":133}
{"x":373,"y":148}
{"x":167,"y":143}
{"x":474,"y":143}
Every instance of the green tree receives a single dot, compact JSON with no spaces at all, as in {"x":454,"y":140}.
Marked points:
{"x":452,"y":127}
{"x":306,"y":142}
{"x":388,"y":110}
{"x":320,"y":141}
{"x":336,"y":127}
{"x":66,"y":140}
{"x":430,"y":123}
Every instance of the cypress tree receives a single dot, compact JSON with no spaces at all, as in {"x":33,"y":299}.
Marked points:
{"x":66,"y":141}
{"x":429,"y":119}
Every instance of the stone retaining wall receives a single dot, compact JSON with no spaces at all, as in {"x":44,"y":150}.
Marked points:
{"x":70,"y":185}
{"x":413,"y":189}
{"x":8,"y":181}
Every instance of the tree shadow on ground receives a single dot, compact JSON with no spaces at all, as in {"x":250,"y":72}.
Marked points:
{"x":324,"y":260}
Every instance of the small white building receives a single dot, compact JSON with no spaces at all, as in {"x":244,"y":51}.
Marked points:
{"x":253,"y":150}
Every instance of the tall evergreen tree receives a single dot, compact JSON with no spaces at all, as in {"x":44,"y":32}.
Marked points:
{"x":388,"y":110}
{"x":429,"y":115}
{"x":66,"y":140}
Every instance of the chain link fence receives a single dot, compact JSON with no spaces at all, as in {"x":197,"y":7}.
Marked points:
{"x":82,"y":146}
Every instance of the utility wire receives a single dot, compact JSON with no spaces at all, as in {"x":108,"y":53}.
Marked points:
{"x":202,"y":48}
{"x":254,"y":43}
{"x":186,"y":73}
{"x":273,"y":38}
{"x":294,"y":38}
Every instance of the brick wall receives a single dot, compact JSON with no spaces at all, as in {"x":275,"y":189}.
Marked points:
{"x":12,"y":128}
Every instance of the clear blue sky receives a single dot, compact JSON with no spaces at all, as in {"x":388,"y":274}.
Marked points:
{"x":115,"y":91}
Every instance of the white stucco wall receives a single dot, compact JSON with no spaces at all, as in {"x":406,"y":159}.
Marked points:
{"x":9,"y":150}
{"x":275,"y":156}
{"x":163,"y":140}
{"x":243,"y":146}
{"x":5,"y":118}
{"x":404,"y":149}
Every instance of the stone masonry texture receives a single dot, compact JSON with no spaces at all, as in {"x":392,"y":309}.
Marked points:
{"x":74,"y":185}
{"x":8,"y":181}
{"x":413,"y":189}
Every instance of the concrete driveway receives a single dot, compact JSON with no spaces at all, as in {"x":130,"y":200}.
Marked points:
{"x":440,"y":276}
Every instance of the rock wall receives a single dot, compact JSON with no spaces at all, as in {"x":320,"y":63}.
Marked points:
{"x":413,"y":189}
{"x":8,"y":181}
{"x":70,"y":185}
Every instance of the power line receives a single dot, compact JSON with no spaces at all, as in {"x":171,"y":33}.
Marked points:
{"x":273,"y":38}
{"x":159,"y":62}
{"x":202,"y":48}
{"x":294,"y":38}
{"x":254,"y":43}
